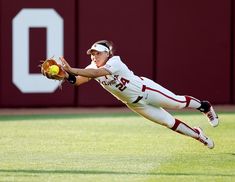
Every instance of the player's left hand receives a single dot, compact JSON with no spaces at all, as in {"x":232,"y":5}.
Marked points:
{"x":45,"y":70}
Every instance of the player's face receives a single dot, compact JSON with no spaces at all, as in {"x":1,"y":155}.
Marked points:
{"x":99,"y":58}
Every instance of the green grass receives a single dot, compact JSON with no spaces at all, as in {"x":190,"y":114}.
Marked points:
{"x":115,"y":147}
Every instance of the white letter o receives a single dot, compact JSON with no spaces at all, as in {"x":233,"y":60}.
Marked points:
{"x":26,"y":18}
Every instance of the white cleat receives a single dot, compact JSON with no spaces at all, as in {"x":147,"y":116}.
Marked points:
{"x":212,"y":117}
{"x":204,"y":139}
{"x":208,"y":110}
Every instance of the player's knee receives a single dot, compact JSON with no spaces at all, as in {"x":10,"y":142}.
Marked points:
{"x":168,"y":122}
{"x":176,"y":105}
{"x":179,"y":106}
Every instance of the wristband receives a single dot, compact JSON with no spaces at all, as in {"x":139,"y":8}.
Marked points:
{"x":71,"y":79}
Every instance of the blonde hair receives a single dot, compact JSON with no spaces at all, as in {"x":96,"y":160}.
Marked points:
{"x":108,"y":44}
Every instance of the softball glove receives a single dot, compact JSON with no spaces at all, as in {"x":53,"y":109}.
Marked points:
{"x":47,"y":71}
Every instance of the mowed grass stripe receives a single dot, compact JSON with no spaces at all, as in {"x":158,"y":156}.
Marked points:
{"x":87,"y":115}
{"x":61,"y":116}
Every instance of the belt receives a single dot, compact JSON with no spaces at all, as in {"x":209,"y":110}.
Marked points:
{"x":140,"y":97}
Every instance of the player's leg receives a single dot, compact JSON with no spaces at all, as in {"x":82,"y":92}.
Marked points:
{"x":159,"y":96}
{"x":160,"y":116}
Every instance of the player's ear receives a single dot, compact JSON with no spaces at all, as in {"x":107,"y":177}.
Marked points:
{"x":107,"y":53}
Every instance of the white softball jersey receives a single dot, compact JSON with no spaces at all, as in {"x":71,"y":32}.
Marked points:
{"x":122,"y":82}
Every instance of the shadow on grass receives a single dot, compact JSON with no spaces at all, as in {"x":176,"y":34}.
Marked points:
{"x":97,"y":172}
{"x":13,"y":118}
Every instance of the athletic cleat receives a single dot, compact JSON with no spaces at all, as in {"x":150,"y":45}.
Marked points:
{"x":204,"y":139}
{"x":212,"y":117}
{"x":208,"y":110}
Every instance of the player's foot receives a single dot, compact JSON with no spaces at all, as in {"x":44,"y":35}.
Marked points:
{"x":204,"y":139}
{"x":210,"y":113}
{"x":212,"y":117}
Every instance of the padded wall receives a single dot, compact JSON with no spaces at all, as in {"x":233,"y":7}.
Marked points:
{"x":193,"y":48}
{"x":184,"y":45}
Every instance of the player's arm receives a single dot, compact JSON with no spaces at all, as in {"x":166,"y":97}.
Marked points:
{"x":87,"y":72}
{"x":87,"y":75}
{"x":80,"y":80}
{"x":76,"y":79}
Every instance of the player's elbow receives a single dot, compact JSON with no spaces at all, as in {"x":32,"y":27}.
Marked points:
{"x":81,"y":80}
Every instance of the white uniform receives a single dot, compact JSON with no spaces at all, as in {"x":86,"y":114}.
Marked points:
{"x":141,"y":94}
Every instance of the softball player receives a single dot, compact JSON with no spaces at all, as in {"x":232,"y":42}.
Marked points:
{"x":140,"y":94}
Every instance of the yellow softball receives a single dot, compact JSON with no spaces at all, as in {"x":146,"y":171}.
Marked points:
{"x":54,"y":70}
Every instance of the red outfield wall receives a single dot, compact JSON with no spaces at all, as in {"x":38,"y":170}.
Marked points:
{"x":193,"y":48}
{"x":184,"y":46}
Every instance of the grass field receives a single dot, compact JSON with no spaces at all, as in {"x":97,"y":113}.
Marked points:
{"x":111,"y":148}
